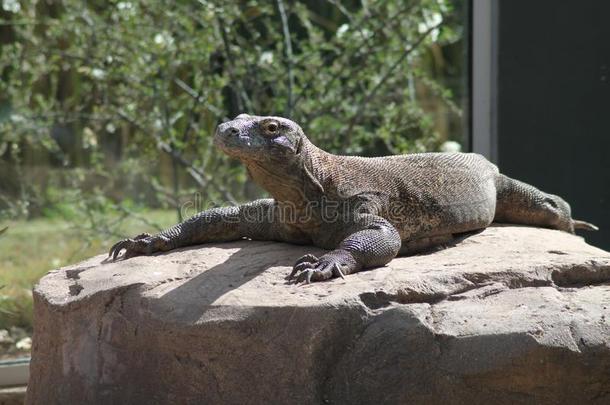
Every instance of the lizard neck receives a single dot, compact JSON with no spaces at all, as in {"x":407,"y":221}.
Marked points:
{"x":294,"y":181}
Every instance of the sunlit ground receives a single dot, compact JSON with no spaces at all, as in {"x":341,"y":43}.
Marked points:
{"x":29,"y":249}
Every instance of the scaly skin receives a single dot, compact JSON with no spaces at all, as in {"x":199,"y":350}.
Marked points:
{"x":364,"y":210}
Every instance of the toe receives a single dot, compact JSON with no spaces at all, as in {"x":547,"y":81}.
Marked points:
{"x":299,"y":267}
{"x":113,"y":248}
{"x":320,"y":273}
{"x":308,"y":258}
{"x":304,"y":276}
{"x":323,"y":273}
{"x":116,"y":249}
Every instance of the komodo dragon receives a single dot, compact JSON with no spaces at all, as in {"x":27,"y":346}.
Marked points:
{"x":364,"y":210}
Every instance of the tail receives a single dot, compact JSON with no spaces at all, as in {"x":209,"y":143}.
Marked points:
{"x":584,"y":225}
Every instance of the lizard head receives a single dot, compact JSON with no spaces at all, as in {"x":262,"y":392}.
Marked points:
{"x":254,"y":138}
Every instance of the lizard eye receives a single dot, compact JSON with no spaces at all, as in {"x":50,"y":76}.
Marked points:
{"x":272,"y":127}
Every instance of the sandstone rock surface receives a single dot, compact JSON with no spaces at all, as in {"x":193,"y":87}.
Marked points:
{"x":510,"y":315}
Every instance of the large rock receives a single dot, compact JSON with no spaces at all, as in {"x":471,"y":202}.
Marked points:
{"x":511,"y":315}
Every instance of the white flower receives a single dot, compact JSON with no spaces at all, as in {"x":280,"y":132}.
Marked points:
{"x":163,"y":39}
{"x":5,"y":337}
{"x":24,"y":344}
{"x":98,"y":73}
{"x":342,"y":30}
{"x":110,"y":127}
{"x":450,"y":146}
{"x":430,"y":20}
{"x":124,"y":5}
{"x":12,"y":6}
{"x":266,"y":58}
{"x":17,"y":118}
{"x":89,"y":141}
{"x":126,"y":9}
{"x":365,"y":33}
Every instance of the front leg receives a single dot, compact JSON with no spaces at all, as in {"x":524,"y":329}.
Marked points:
{"x":256,"y":220}
{"x":371,"y":242}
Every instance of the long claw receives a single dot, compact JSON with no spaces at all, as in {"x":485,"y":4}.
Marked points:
{"x":306,"y":270}
{"x":339,"y":271}
{"x":319,"y":273}
{"x":133,"y":247}
{"x":116,"y":249}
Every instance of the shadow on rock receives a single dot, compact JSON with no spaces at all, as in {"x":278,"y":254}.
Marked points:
{"x":191,"y":299}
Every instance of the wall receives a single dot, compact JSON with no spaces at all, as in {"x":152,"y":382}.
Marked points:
{"x":553,"y":95}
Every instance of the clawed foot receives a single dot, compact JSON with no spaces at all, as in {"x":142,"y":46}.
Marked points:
{"x":310,"y":268}
{"x":143,"y":244}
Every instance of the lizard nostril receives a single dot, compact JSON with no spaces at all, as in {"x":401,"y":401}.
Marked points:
{"x":233,"y":131}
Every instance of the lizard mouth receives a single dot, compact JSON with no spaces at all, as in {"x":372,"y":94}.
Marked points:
{"x":233,"y":144}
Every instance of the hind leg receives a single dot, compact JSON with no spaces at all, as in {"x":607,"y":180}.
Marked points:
{"x":415,"y":246}
{"x":421,"y":245}
{"x":520,"y":203}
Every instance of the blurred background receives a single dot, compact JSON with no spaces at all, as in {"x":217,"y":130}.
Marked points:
{"x":107,"y":108}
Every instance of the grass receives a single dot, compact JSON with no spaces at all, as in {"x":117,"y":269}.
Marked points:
{"x":29,"y":249}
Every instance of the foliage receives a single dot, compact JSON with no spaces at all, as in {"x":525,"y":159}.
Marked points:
{"x":106,"y":105}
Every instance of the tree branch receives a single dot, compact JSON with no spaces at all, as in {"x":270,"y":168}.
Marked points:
{"x":199,"y":98}
{"x":200,"y":177}
{"x":289,"y":59}
{"x":236,"y":85}
{"x":358,"y":115}
{"x":369,"y":50}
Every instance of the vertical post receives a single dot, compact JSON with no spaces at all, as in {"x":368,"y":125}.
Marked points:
{"x":484,"y":78}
